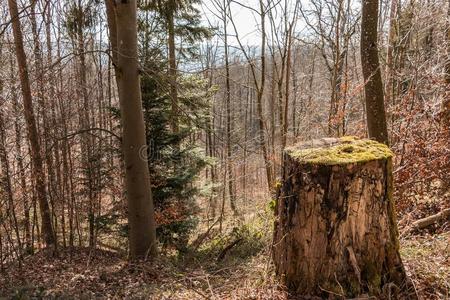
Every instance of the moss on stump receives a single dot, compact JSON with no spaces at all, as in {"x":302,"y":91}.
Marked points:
{"x":335,"y":231}
{"x":333,"y":151}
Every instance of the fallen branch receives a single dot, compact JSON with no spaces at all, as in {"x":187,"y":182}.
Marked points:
{"x":111,"y":248}
{"x":228,"y":248}
{"x":201,"y":238}
{"x":430,"y":220}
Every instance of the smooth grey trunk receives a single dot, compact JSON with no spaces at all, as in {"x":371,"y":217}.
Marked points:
{"x":142,"y":232}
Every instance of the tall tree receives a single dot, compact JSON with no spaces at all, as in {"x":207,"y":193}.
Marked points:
{"x":334,"y":26}
{"x":447,"y":64}
{"x":141,"y":221}
{"x":259,"y":80}
{"x":392,"y":36}
{"x":181,"y":19}
{"x":36,"y":157}
{"x":79,"y":19}
{"x":170,"y":19}
{"x":376,"y":115}
{"x":230,"y":179}
{"x":446,"y":102}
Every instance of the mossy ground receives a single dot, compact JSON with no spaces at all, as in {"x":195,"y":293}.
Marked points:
{"x":346,"y":150}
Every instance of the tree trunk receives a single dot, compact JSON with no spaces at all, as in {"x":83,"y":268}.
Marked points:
{"x":5,"y":175}
{"x":142,"y":230}
{"x":230,"y":177}
{"x":5,"y":182}
{"x":446,"y":99}
{"x":172,"y":64}
{"x":336,"y":230}
{"x":85,"y":120}
{"x":286,"y":94}
{"x":21,"y":170}
{"x":392,"y":36}
{"x":376,"y":115}
{"x":447,"y":63}
{"x":260,"y":94}
{"x":36,"y":158}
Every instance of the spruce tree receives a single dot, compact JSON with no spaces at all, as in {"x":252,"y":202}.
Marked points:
{"x":174,"y":159}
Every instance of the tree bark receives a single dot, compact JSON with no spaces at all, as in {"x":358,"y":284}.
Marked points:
{"x":112,"y":27}
{"x":446,"y":99}
{"x":336,"y":231}
{"x":447,"y":64}
{"x":172,"y":64}
{"x":230,"y":177}
{"x":21,"y":169}
{"x":260,"y":94}
{"x":5,"y":174}
{"x":376,"y":115}
{"x":142,"y":230}
{"x":36,"y":158}
{"x":286,"y":102}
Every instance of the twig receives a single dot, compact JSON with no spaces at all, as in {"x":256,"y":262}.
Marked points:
{"x":228,"y":248}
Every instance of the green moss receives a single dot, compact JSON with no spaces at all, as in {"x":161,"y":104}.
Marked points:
{"x":391,"y":213}
{"x":354,"y":287}
{"x":277,"y":184}
{"x":272,"y":204}
{"x":346,"y":150}
{"x":371,"y":274}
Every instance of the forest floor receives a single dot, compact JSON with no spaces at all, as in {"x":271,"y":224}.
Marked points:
{"x":243,"y":272}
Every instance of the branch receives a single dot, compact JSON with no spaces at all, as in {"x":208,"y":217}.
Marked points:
{"x":71,"y":135}
{"x":430,"y":220}
{"x":228,"y":248}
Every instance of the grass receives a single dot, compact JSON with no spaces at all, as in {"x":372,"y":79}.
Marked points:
{"x":427,"y":260}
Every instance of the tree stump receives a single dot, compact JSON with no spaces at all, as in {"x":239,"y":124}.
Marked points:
{"x":335,"y":230}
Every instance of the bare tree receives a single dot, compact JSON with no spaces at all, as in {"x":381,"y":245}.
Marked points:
{"x":230,"y":179}
{"x":334,"y":24}
{"x":37,"y":163}
{"x":446,"y":102}
{"x":281,"y":34}
{"x":170,"y":19}
{"x":376,"y":116}
{"x":259,"y":80}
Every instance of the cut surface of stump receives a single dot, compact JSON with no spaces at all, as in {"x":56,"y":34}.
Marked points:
{"x":335,"y":230}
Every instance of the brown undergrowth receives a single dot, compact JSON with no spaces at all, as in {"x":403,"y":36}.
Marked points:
{"x":427,"y":261}
{"x":243,"y":271}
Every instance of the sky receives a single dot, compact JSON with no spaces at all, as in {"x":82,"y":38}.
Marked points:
{"x":245,"y":19}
